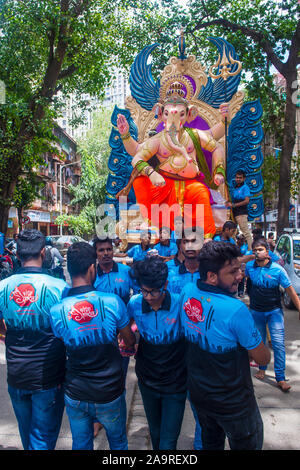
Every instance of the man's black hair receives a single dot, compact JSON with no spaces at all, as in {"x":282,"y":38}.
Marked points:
{"x":102,"y":240}
{"x":151,"y":272}
{"x":241,"y":172}
{"x":145,"y":232}
{"x":257,"y":233}
{"x":213,"y":256}
{"x":30,"y":243}
{"x":260,"y":242}
{"x":80,"y":256}
{"x":229,"y":224}
{"x":186,"y":231}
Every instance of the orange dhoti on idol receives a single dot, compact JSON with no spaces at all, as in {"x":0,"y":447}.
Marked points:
{"x":188,"y":198}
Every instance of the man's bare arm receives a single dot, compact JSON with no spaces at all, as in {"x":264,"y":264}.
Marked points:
{"x":261,"y":354}
{"x":128,"y":336}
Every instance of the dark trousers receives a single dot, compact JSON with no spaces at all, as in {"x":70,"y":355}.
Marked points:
{"x":164,"y":412}
{"x":243,"y":433}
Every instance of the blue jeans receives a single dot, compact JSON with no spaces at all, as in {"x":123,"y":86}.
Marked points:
{"x":275,"y":321}
{"x":39,"y":414}
{"x":164,"y":412}
{"x":198,"y":432}
{"x":111,"y":415}
{"x":243,"y":433}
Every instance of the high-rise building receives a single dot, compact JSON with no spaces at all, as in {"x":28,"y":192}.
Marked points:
{"x":115,"y":94}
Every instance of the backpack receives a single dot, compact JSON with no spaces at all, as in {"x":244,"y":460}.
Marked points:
{"x":47,"y":263}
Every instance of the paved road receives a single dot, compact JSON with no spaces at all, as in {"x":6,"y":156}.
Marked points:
{"x":280,"y":412}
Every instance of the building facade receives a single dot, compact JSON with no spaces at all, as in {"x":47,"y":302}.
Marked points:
{"x":59,"y":170}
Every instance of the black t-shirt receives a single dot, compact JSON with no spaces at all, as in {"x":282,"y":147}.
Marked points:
{"x":88,"y":322}
{"x":35,"y":357}
{"x":160,"y":360}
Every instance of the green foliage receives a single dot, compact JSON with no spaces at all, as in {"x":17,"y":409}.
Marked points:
{"x":270,"y":173}
{"x":295,"y":176}
{"x":46,"y":47}
{"x":96,"y":141}
{"x":26,"y":191}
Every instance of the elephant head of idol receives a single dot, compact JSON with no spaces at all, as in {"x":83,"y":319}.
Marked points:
{"x":174,"y":112}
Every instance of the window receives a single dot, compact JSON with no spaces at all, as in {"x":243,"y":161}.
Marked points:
{"x":285,"y":249}
{"x":296,"y":248}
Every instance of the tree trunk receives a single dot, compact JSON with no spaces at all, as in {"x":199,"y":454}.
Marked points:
{"x":289,"y":138}
{"x":6,"y":195}
{"x":20,"y":216}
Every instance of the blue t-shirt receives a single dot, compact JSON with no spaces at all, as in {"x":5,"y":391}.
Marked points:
{"x":244,"y":248}
{"x":219,"y":238}
{"x":179,"y":276}
{"x":220,"y":330}
{"x":117,"y":281}
{"x":272,"y":255}
{"x":160,"y":359}
{"x":35,"y":357}
{"x":263,"y":285}
{"x":137,"y":253}
{"x":166,"y":250}
{"x":239,"y":194}
{"x":1,"y":243}
{"x":173,"y":264}
{"x":87,"y":321}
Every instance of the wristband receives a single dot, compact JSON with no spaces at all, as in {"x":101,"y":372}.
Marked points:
{"x":126,"y":136}
{"x":141,"y":165}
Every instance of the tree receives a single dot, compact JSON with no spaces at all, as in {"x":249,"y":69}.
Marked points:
{"x":89,"y":194}
{"x":270,"y":173}
{"x":263,"y":33}
{"x":45,"y":47}
{"x":96,"y":141}
{"x":26,"y":191}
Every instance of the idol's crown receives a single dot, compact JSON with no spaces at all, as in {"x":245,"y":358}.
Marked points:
{"x":175,"y":89}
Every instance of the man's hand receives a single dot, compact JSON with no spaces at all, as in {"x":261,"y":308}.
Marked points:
{"x":228,"y":204}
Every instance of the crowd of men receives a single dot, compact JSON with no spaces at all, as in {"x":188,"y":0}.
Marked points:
{"x":176,"y":311}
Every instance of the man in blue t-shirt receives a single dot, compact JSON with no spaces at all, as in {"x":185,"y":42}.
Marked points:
{"x":240,"y":199}
{"x":188,"y":271}
{"x":112,"y":277}
{"x":88,"y":322}
{"x":35,"y":357}
{"x":221,"y":336}
{"x":178,"y":258}
{"x":139,"y":252}
{"x":264,"y":280}
{"x":166,"y":248}
{"x":160,"y":358}
{"x":227,"y":234}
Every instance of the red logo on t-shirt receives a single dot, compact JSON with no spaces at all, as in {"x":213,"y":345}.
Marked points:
{"x":82,"y":312}
{"x":24,"y":295}
{"x":194,"y":310}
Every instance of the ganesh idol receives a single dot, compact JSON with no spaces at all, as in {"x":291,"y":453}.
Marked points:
{"x":170,"y":169}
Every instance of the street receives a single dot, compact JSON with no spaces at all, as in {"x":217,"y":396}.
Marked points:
{"x":280,"y":412}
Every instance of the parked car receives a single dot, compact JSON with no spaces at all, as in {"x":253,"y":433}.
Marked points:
{"x":288,"y":247}
{"x":62,"y":242}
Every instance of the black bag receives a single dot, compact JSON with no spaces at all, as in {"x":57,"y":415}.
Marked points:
{"x":47,"y":263}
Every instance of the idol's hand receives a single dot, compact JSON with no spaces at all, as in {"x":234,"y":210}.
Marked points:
{"x":122,"y":124}
{"x":219,"y":179}
{"x":156,"y":179}
{"x":224,"y":110}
